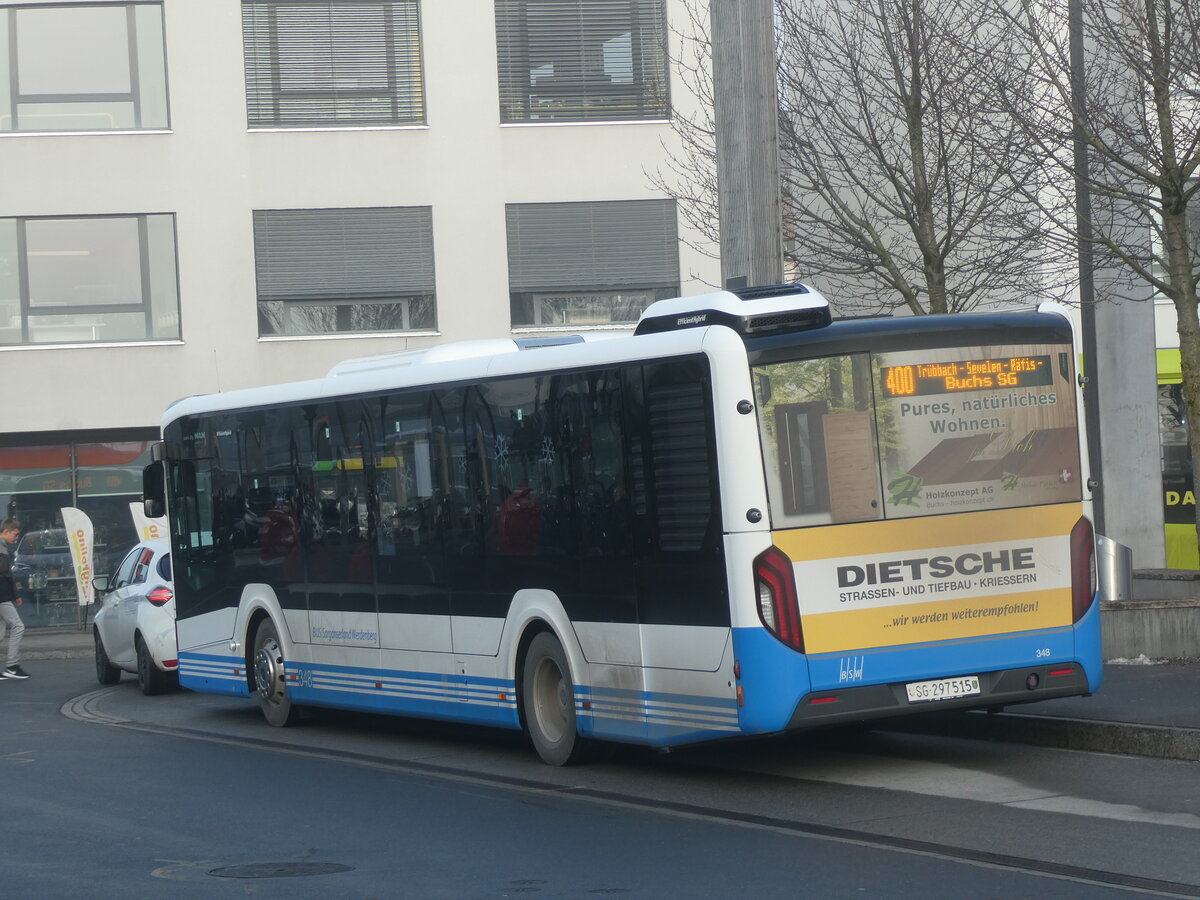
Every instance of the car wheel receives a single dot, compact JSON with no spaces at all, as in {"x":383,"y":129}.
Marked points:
{"x":548,"y":703}
{"x":269,"y":681}
{"x":150,"y":679}
{"x":106,"y":672}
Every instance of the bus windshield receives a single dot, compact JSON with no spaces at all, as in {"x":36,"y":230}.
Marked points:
{"x":886,"y":435}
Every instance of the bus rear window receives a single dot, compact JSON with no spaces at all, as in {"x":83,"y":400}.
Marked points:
{"x":865,"y":436}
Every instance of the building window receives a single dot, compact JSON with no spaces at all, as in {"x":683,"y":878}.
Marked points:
{"x":100,"y":67}
{"x":344,"y":270}
{"x":88,"y":279}
{"x":321,"y":63}
{"x":572,"y":264}
{"x":581,"y":60}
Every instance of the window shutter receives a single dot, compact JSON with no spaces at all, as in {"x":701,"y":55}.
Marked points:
{"x":592,"y":246}
{"x":582,"y":59}
{"x":320,"y":62}
{"x":315,"y":254}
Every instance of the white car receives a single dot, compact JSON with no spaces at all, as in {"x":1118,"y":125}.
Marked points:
{"x":135,"y":628}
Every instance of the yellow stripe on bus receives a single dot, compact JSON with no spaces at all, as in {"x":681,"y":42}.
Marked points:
{"x":945,"y":620}
{"x":905,"y":535}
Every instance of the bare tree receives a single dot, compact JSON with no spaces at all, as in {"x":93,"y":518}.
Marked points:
{"x":1123,"y":123}
{"x":690,"y":171}
{"x":904,"y":183}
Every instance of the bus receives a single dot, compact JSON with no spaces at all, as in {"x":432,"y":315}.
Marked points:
{"x":742,"y":518}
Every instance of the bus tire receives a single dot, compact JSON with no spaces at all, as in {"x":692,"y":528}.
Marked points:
{"x":548,"y":703}
{"x":269,"y":681}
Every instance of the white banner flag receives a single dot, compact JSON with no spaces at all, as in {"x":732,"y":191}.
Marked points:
{"x":79,"y":538}
{"x":148,"y":529}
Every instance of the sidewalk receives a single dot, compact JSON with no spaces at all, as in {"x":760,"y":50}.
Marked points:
{"x":57,"y":643}
{"x":1140,"y":710}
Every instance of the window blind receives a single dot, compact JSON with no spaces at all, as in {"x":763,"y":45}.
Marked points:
{"x":314,"y":254}
{"x":582,"y":59}
{"x":321,"y":62}
{"x":589,"y":246}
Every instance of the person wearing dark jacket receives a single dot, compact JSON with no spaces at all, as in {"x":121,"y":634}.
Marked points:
{"x":10,"y":530}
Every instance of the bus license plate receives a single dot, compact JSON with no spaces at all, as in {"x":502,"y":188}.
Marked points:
{"x":942,"y":689}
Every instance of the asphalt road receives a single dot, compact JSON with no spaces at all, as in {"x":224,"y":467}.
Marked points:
{"x":111,"y":794}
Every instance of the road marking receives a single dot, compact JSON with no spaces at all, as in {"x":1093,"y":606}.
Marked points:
{"x":81,"y":708}
{"x":84,"y":708}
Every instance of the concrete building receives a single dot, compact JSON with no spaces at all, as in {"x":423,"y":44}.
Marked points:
{"x":202,"y":195}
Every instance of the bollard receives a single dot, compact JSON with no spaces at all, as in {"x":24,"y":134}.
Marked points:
{"x":1114,"y":570}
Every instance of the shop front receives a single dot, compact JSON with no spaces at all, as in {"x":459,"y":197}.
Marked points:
{"x":37,"y":480}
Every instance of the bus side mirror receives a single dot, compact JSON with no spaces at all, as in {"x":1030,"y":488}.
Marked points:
{"x":154,"y":490}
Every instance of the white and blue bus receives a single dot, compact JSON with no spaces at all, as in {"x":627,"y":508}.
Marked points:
{"x":741,"y":519}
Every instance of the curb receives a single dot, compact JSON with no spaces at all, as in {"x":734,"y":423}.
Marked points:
{"x":1058,"y":732}
{"x":1122,"y":738}
{"x":72,"y":653}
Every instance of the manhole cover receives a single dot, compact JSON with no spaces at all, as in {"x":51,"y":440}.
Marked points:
{"x":279,"y":870}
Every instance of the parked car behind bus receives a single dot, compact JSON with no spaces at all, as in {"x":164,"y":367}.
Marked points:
{"x":134,"y":629}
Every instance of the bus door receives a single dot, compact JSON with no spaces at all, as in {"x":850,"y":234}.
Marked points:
{"x":338,"y":533}
{"x":412,"y":474}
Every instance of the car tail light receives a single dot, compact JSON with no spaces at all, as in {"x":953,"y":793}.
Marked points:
{"x":1083,"y":568}
{"x":778,"y":605}
{"x":160,"y":596}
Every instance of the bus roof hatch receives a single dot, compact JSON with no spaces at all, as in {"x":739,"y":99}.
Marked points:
{"x":769,"y":309}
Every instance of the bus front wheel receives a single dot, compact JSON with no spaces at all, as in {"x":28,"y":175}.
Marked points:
{"x":269,"y":680}
{"x":548,"y":701}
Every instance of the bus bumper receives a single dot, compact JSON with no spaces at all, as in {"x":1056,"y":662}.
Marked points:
{"x":785,"y":690}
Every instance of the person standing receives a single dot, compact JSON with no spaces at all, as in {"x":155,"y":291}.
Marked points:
{"x":10,"y":530}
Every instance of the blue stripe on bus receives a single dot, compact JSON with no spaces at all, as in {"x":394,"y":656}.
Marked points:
{"x":659,"y":719}
{"x":434,"y":695}
{"x":656,"y":718}
{"x":776,"y":677}
{"x":213,"y":674}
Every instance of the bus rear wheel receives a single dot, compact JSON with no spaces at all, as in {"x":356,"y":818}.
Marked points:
{"x":548,"y":702}
{"x":269,"y":681}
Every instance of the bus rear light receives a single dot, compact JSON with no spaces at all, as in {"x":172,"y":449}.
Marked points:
{"x":778,"y":604}
{"x":815,"y":701}
{"x":1083,"y":569}
{"x":160,"y":596}
{"x":1055,"y":673}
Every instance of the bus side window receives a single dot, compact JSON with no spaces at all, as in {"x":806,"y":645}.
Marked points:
{"x":407,"y":468}
{"x":682,"y":464}
{"x":800,"y":436}
{"x":819,"y":441}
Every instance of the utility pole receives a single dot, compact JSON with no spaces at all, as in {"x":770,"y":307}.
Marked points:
{"x":745,"y":96}
{"x":1121,"y":393}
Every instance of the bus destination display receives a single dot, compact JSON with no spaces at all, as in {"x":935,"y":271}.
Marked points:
{"x":954,"y":376}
